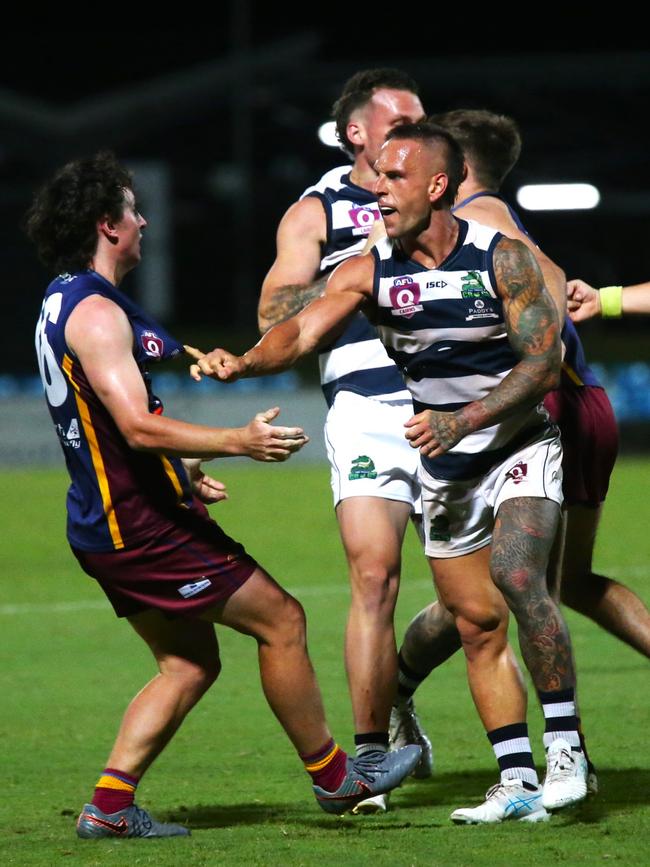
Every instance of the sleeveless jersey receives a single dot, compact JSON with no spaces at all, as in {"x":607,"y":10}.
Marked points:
{"x":356,"y":361}
{"x":118,"y":496}
{"x":575,"y":370}
{"x":445,"y":330}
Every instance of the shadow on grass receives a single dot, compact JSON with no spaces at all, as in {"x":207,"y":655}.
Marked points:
{"x":621,"y":790}
{"x":227,"y":815}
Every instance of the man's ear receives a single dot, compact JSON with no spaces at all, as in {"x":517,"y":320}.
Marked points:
{"x":356,"y":133}
{"x":437,"y":186}
{"x":106,"y":227}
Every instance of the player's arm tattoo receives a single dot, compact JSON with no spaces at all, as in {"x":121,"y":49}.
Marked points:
{"x":534,"y":334}
{"x":289,"y":300}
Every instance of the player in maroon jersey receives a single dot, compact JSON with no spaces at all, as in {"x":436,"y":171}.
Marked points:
{"x":165,"y":566}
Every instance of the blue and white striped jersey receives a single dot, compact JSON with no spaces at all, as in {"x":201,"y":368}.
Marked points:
{"x":445,"y":330}
{"x":576,"y":371}
{"x":356,"y":361}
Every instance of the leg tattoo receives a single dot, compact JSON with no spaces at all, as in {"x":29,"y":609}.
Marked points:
{"x":523,"y":535}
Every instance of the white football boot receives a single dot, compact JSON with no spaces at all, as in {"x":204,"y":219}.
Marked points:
{"x":509,"y":799}
{"x":566,"y":776}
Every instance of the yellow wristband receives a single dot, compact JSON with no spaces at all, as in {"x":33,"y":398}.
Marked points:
{"x":611,"y":302}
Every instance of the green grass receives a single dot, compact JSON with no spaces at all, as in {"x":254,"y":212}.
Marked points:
{"x":68,"y":668}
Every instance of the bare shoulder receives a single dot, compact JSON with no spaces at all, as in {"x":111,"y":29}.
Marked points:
{"x":97,"y":321}
{"x":492,"y":212}
{"x":305,"y":218}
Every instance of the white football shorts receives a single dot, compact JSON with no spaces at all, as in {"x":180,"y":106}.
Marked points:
{"x":368,"y":453}
{"x":458,"y":516}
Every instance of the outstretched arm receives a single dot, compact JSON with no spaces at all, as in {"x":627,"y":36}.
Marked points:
{"x":100,"y":335}
{"x":291,"y":282}
{"x":534,"y":335}
{"x":348,"y":290}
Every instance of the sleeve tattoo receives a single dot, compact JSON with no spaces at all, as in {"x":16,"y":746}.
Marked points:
{"x":289,"y":300}
{"x":533,"y":331}
{"x":531,"y":318}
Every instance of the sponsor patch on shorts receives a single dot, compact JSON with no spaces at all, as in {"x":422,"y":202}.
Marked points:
{"x":194,"y":587}
{"x":439,"y":530}
{"x":362,"y":467}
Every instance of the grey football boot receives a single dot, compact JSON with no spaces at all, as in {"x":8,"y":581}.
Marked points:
{"x":131,"y":822}
{"x":371,"y":774}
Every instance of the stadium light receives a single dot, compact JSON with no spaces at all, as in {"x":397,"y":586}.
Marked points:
{"x":327,"y":134}
{"x":558,"y":197}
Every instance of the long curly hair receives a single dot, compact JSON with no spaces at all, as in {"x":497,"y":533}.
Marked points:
{"x":62,"y":219}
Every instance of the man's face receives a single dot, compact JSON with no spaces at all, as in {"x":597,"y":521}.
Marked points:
{"x":129,"y":228}
{"x":408,"y":174}
{"x":385,"y":110}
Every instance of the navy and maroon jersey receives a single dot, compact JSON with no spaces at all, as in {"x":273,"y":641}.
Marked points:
{"x":575,"y":370}
{"x":117,"y":496}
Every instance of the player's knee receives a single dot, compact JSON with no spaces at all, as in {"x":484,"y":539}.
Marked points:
{"x":480,"y":626}
{"x":374,"y":586}
{"x":436,"y":619}
{"x":291,"y":623}
{"x":580,"y":594}
{"x":517,"y":580}
{"x":194,"y":676}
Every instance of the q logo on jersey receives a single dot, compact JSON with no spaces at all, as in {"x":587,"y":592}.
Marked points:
{"x":363,"y":219}
{"x":405,"y":297}
{"x":152,"y":344}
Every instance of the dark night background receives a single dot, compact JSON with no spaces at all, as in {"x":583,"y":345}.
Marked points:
{"x":229,"y":117}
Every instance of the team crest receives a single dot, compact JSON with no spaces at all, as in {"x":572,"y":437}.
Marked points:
{"x":405,"y":297}
{"x":473,"y":286}
{"x":474,"y":291}
{"x":152,"y":344}
{"x":362,"y":467}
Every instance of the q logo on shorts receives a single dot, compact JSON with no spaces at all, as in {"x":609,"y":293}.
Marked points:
{"x":152,"y":344}
{"x":405,"y":297}
{"x":518,"y":473}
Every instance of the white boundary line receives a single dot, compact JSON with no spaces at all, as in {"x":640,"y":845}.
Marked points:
{"x":639,"y":571}
{"x":103,"y":604}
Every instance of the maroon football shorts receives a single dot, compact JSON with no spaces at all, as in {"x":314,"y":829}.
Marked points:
{"x":181,"y":572}
{"x":589,"y":440}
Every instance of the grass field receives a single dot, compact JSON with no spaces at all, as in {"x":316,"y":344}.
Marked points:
{"x":68,"y":667}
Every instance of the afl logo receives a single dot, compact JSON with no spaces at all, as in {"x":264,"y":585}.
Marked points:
{"x":405,"y":297}
{"x":152,"y":344}
{"x":363,"y":218}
